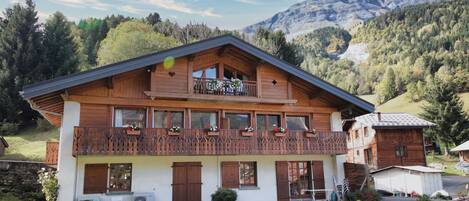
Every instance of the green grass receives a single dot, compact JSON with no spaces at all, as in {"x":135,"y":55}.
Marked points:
{"x":403,"y":104}
{"x":29,"y":144}
{"x":449,"y":162}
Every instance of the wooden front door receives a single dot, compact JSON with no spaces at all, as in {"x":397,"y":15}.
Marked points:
{"x":187,"y":181}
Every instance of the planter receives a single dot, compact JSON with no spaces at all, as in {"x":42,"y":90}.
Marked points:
{"x":310,"y":134}
{"x":279,"y":134}
{"x":247,"y":134}
{"x":173,"y":133}
{"x":213,"y":133}
{"x":133,"y":132}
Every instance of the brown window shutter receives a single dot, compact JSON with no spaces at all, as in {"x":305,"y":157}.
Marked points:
{"x":230,"y":174}
{"x":95,"y":178}
{"x":283,"y":192}
{"x":318,"y":178}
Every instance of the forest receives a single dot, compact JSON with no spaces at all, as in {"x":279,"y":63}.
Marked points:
{"x":408,"y":50}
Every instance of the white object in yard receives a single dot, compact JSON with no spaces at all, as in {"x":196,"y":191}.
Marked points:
{"x":442,"y":192}
{"x":89,"y":198}
{"x":408,"y":179}
{"x":143,"y":197}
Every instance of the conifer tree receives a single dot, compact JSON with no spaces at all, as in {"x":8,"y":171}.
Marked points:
{"x":445,"y":109}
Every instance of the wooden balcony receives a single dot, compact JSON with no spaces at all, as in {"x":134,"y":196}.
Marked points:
{"x":153,"y":141}
{"x":225,"y":87}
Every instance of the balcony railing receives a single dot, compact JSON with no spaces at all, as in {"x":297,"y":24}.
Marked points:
{"x":153,"y":141}
{"x":225,"y":87}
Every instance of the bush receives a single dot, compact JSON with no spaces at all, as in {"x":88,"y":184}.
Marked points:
{"x":366,"y":194}
{"x":224,"y":195}
{"x":43,"y":125}
{"x":7,"y":128}
{"x":424,"y":198}
{"x":50,"y":185}
{"x":8,"y":197}
{"x":440,"y":196}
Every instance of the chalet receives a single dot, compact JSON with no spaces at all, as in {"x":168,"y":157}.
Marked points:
{"x":181,"y":123}
{"x":463,"y":151}
{"x":3,"y":145}
{"x":381,"y":140}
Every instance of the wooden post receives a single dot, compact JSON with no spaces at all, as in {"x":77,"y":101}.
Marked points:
{"x":190,"y":80}
{"x":259,"y":79}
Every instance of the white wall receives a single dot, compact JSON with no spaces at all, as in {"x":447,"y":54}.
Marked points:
{"x":408,"y":181}
{"x":154,"y":173}
{"x":66,"y":163}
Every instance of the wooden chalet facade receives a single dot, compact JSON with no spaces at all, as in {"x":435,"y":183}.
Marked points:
{"x":212,"y":119}
{"x":382,"y":140}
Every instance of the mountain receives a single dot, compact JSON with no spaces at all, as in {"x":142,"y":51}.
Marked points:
{"x":309,"y":15}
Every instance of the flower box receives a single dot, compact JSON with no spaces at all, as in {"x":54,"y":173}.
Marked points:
{"x":173,"y":133}
{"x":280,"y":134}
{"x":133,"y":132}
{"x":213,"y":133}
{"x":247,"y":134}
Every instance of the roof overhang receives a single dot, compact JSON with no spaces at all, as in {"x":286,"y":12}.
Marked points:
{"x":400,"y":127}
{"x":64,"y":82}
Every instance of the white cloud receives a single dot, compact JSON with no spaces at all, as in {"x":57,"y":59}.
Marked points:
{"x":94,"y":4}
{"x":181,"y":7}
{"x":131,"y":9}
{"x":43,"y":16}
{"x":252,"y":2}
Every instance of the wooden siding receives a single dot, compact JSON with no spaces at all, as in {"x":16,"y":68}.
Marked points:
{"x":95,"y":115}
{"x":52,"y":153}
{"x":388,"y":139}
{"x":171,"y":80}
{"x":115,"y":141}
{"x":322,"y":121}
{"x":269,"y":89}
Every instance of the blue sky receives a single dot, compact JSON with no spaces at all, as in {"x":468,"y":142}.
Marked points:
{"x":226,"y":14}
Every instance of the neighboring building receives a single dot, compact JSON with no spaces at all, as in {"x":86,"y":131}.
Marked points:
{"x":386,"y":139}
{"x":408,"y":179}
{"x":100,"y":156}
{"x":463,"y":151}
{"x":3,"y":145}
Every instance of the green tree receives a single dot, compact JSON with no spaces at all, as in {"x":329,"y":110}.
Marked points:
{"x":21,"y":54}
{"x":445,"y":109}
{"x":387,"y":89}
{"x":131,"y":39}
{"x":60,"y":48}
{"x":94,"y":30}
{"x":153,"y":18}
{"x":276,"y":44}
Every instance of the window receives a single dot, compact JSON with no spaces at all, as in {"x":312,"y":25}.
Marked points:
{"x":228,"y":73}
{"x":239,"y":120}
{"x":369,"y":156}
{"x":298,"y":123}
{"x":210,"y":72}
{"x":358,"y":152}
{"x":204,"y":119}
{"x":401,"y":151}
{"x":247,"y":174}
{"x":98,"y":177}
{"x":120,"y":177}
{"x":299,"y":173}
{"x":168,"y":119}
{"x":127,"y":117}
{"x":365,"y":131}
{"x":267,"y":121}
{"x":356,"y":134}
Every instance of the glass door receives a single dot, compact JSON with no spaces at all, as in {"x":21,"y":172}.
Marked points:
{"x":299,"y":176}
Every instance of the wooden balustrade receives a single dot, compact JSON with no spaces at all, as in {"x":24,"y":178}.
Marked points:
{"x":52,"y":153}
{"x":224,"y":87}
{"x":154,"y":141}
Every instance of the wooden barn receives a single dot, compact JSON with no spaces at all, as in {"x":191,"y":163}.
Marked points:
{"x":386,"y":139}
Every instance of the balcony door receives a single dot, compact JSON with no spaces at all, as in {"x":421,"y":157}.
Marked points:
{"x":187,"y":181}
{"x":296,"y":179}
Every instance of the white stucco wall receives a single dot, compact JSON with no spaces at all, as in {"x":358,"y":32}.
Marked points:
{"x":339,"y":160}
{"x":66,"y":163}
{"x":154,"y":173}
{"x":408,"y":181}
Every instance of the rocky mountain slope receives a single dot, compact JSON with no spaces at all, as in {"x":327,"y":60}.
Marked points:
{"x":309,"y":15}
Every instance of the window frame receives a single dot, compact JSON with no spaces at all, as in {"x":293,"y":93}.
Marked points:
{"x":184,"y":115}
{"x":400,"y":151}
{"x":307,"y":121}
{"x":267,"y":114}
{"x":109,"y":178}
{"x":218,"y":112}
{"x":241,"y":185}
{"x":368,"y":160}
{"x":145,"y":121}
{"x":365,"y":131}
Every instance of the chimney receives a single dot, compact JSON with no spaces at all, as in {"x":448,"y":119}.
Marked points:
{"x":379,"y":116}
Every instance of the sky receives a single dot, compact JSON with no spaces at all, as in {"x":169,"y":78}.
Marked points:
{"x":225,"y":14}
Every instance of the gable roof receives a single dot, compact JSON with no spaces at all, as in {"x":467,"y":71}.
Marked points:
{"x":393,"y":120}
{"x":60,"y":83}
{"x":462,"y":147}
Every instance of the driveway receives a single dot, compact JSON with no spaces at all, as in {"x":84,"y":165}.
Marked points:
{"x":454,"y":184}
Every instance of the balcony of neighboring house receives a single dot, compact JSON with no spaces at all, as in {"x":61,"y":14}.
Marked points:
{"x":161,"y":142}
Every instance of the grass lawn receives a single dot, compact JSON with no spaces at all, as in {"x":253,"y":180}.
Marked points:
{"x":29,"y":144}
{"x":449,"y":162}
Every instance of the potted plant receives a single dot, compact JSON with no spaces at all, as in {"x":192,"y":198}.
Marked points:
{"x":311,"y":133}
{"x":133,"y":129}
{"x":175,"y":130}
{"x":213,"y":131}
{"x":248,"y":132}
{"x":236,"y":85}
{"x":280,"y":131}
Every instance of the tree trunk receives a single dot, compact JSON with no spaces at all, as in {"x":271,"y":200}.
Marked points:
{"x":446,"y":149}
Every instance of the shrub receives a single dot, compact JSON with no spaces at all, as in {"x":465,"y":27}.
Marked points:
{"x":424,"y":198}
{"x":440,"y":196}
{"x":43,"y":125}
{"x":366,"y":194}
{"x":224,"y":195}
{"x":8,"y":197}
{"x":7,"y":128}
{"x":50,"y":185}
